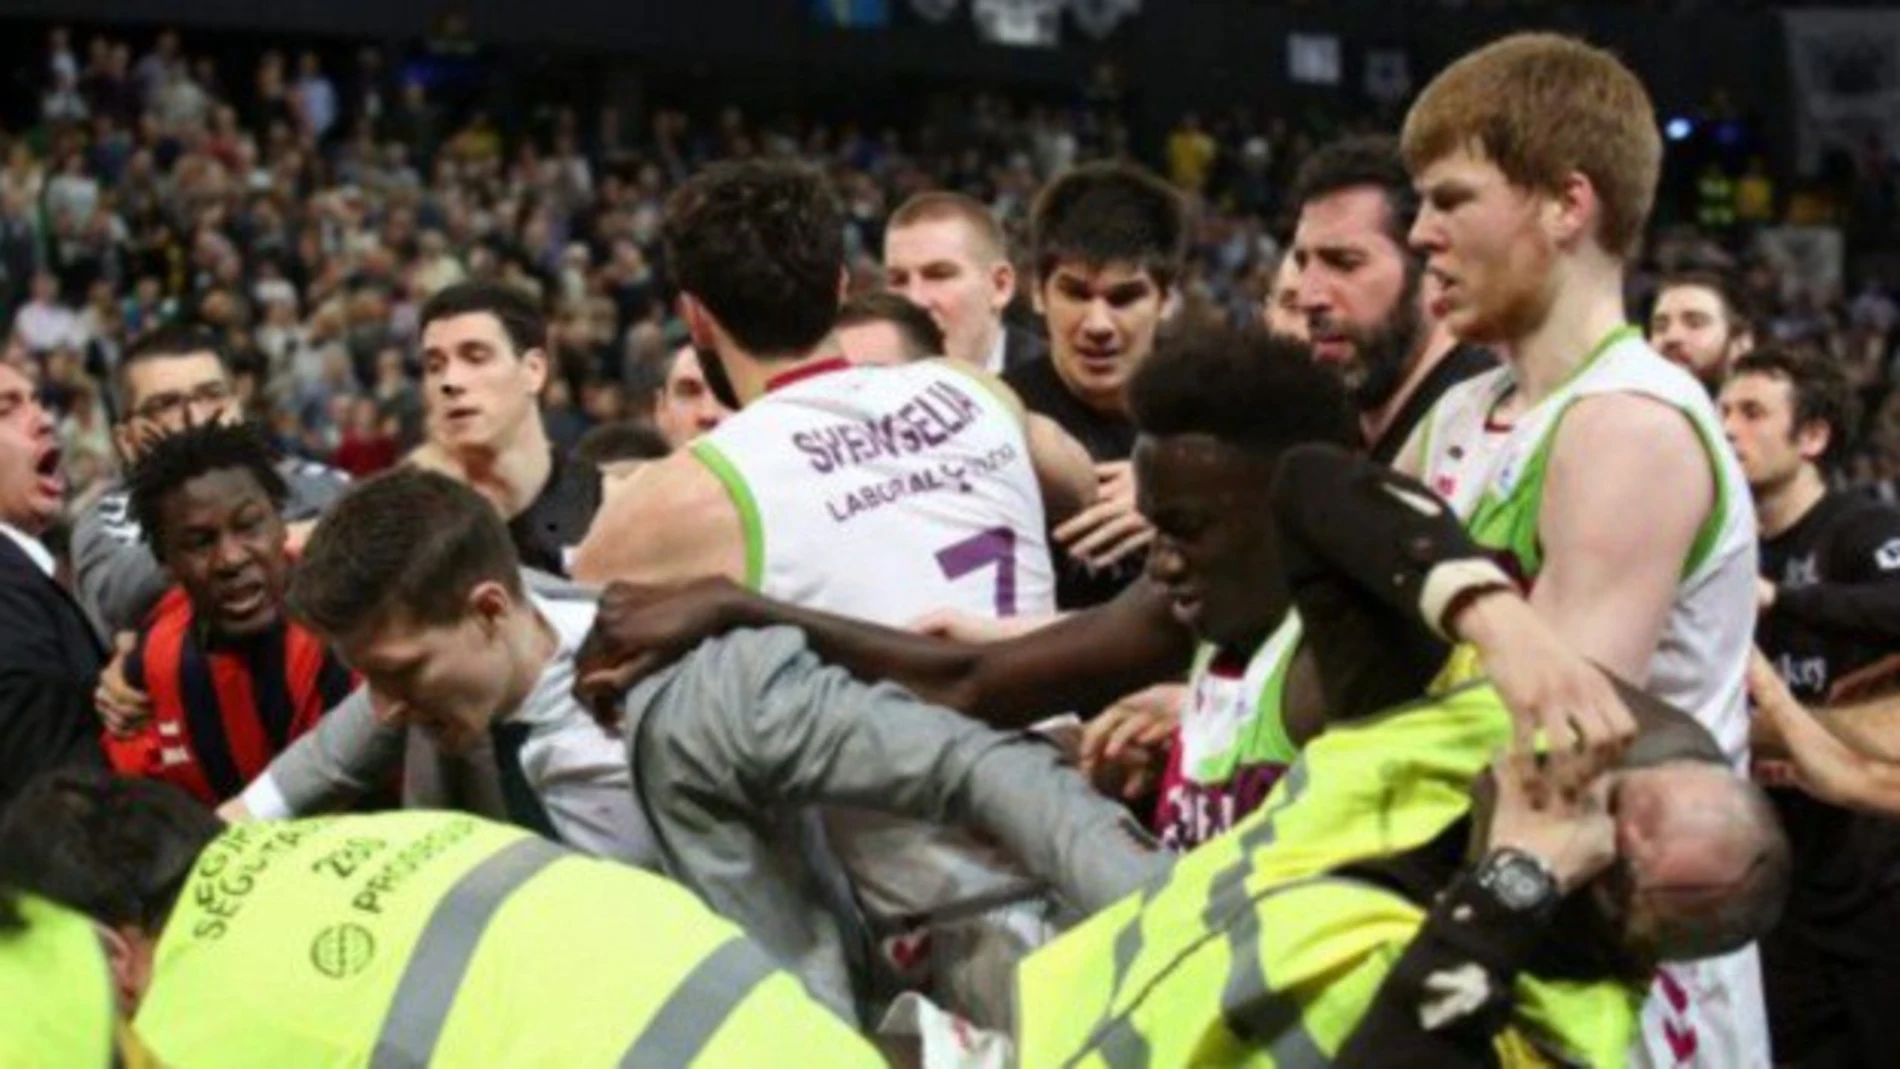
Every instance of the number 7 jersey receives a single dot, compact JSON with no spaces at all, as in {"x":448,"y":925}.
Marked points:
{"x":883,"y":493}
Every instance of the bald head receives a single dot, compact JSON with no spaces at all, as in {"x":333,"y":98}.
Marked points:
{"x":1702,"y":862}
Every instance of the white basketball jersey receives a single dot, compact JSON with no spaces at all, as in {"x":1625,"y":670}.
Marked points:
{"x":1707,"y":1014}
{"x":883,"y":493}
{"x":1495,"y":480}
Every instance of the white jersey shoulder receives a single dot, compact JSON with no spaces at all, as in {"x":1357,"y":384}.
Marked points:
{"x":884,"y":493}
{"x":1482,"y":468}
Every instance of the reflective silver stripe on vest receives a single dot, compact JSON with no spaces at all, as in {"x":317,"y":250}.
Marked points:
{"x":1248,"y":1004}
{"x":692,"y":1014}
{"x":436,"y":966}
{"x":1253,"y":1010}
{"x":1116,"y":1040}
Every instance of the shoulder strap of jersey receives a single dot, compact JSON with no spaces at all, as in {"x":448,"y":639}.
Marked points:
{"x":750,"y":523}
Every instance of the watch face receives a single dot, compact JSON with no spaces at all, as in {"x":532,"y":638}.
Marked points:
{"x":1519,"y":882}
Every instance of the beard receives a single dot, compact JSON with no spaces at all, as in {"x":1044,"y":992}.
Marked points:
{"x":1384,"y":352}
{"x":716,"y":378}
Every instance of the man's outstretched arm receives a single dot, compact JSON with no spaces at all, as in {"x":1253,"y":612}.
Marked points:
{"x":750,"y":728}
{"x":1831,"y":767}
{"x":1082,"y":662}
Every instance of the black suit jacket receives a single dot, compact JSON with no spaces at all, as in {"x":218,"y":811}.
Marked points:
{"x":50,"y":658}
{"x":1022,"y":346}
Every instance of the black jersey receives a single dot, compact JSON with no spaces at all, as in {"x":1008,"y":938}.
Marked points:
{"x":546,"y":532}
{"x":1463,"y":362}
{"x":1837,"y":608}
{"x":1107,"y":437}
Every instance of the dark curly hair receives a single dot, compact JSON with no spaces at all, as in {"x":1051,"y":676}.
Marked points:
{"x":1103,"y":213}
{"x":1820,"y":390}
{"x":1243,"y":386}
{"x":761,"y":245}
{"x":175,"y":459}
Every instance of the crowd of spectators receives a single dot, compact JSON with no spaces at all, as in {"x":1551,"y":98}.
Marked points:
{"x":305,"y":213}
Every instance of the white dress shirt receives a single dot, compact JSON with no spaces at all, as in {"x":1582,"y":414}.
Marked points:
{"x":34,"y":549}
{"x":578,"y":770}
{"x":994,"y":365}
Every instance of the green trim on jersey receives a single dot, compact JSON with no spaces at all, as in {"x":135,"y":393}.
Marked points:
{"x":1711,"y":532}
{"x":1614,"y":338}
{"x":1505,"y":523}
{"x":1423,"y":455}
{"x":754,"y":529}
{"x":1270,"y":715}
{"x":1262,"y":738}
{"x":1272,"y":740}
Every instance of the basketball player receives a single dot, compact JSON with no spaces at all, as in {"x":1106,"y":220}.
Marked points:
{"x":1594,"y":466}
{"x":1361,"y":289}
{"x":484,"y":362}
{"x":1109,"y":242}
{"x":879,"y":493}
{"x":1830,"y":596}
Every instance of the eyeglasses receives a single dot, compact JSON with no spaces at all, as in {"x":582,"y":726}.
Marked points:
{"x":170,"y":407}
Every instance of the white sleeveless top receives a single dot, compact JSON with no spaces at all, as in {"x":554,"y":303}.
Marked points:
{"x":882,"y":493}
{"x":1494,"y":478}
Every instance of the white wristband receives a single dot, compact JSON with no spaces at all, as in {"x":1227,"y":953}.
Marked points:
{"x":1446,"y":581}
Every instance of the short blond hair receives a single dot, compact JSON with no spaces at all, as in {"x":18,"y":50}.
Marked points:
{"x":1542,"y":106}
{"x":937,"y":205}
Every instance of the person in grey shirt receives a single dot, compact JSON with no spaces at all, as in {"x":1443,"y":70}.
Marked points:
{"x":170,"y":378}
{"x":719,"y":758}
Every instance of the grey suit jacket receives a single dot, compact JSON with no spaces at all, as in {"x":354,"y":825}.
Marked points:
{"x":730,"y":747}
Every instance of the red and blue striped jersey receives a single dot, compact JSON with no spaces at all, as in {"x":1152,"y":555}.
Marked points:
{"x":222,"y":708}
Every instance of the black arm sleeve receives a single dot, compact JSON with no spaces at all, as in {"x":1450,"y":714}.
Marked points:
{"x":1357,"y":542}
{"x":1435,"y":1009}
{"x":1868,"y":611}
{"x":1863,"y":598}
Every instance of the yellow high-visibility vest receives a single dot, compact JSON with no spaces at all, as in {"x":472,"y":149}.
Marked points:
{"x":56,"y":990}
{"x":419,"y":938}
{"x":1254,"y":952}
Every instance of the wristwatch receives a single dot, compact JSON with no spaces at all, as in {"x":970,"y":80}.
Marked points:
{"x":1518,"y":881}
